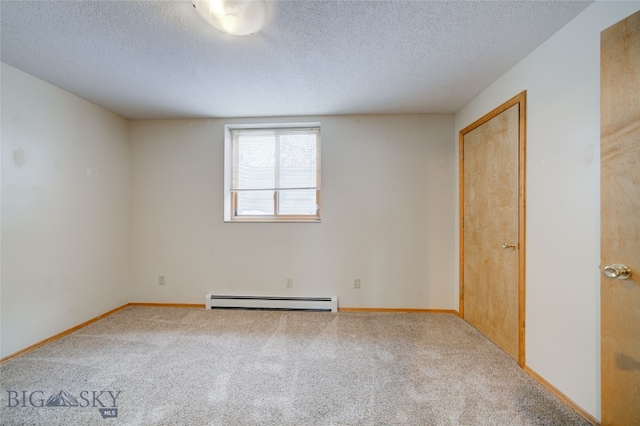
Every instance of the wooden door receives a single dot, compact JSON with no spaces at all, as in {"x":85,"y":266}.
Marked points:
{"x":620,"y":221}
{"x":492,"y":226}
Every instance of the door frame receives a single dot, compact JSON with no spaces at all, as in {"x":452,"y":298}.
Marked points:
{"x":520,"y":100}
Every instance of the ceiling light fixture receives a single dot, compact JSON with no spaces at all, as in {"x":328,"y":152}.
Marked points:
{"x":235,"y":17}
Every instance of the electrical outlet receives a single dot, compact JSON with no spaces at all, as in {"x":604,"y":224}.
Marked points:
{"x":289,"y":282}
{"x":356,"y":283}
{"x":161,"y":280}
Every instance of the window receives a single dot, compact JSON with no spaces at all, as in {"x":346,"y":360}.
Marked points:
{"x":272,"y":173}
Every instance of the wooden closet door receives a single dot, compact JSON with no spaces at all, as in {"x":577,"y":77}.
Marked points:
{"x":491,"y":183}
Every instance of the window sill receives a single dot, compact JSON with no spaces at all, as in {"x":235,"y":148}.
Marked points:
{"x":274,"y":220}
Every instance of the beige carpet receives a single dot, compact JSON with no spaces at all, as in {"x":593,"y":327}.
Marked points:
{"x":175,"y":366}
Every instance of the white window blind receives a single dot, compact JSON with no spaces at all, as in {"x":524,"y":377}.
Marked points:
{"x":275,"y":172}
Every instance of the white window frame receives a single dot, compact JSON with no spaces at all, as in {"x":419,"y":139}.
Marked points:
{"x":229,"y":197}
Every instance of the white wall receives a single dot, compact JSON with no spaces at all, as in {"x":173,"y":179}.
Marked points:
{"x":562,"y":79}
{"x":65,"y":210}
{"x":387,"y":216}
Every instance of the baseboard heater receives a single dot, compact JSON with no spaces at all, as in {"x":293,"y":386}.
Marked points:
{"x":217,"y":301}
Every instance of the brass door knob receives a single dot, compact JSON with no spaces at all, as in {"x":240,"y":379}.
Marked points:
{"x":618,"y":271}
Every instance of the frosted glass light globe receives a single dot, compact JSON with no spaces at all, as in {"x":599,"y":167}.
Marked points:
{"x":235,"y":17}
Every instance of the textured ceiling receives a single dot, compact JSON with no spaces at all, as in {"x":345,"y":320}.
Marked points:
{"x":159,"y":59}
